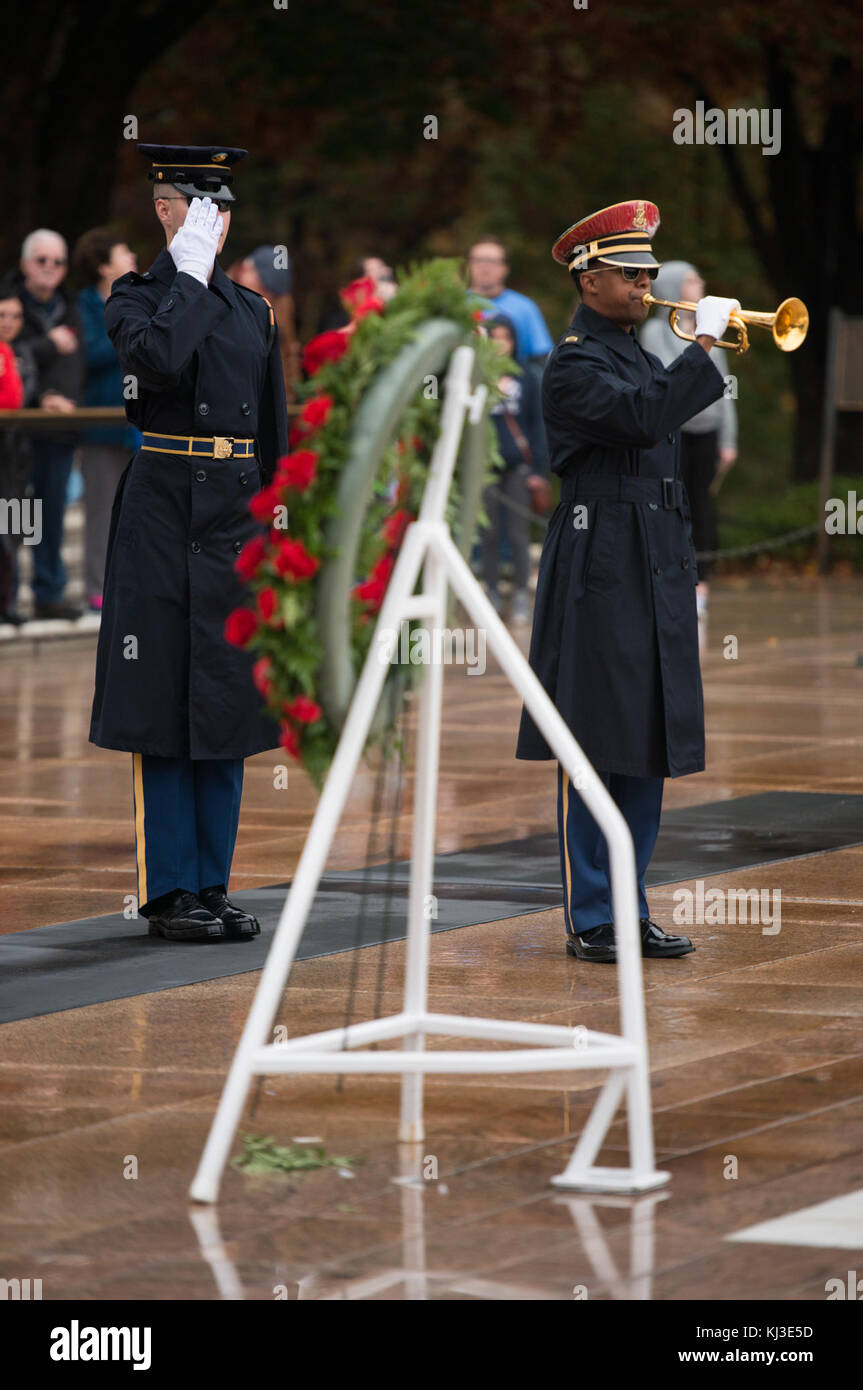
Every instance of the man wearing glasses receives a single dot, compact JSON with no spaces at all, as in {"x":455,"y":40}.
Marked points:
{"x":488,"y":269}
{"x":52,"y":331}
{"x":209,"y":398}
{"x":615,"y":633}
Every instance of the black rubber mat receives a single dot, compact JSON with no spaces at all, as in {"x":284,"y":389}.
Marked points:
{"x":72,"y":964}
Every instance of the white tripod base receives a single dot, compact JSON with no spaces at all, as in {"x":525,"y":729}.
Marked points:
{"x":428,"y":551}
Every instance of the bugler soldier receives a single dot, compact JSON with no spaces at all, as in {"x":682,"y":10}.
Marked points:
{"x":615,"y":634}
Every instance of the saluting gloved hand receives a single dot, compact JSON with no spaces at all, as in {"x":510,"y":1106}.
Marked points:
{"x":193,"y":247}
{"x":712,"y":315}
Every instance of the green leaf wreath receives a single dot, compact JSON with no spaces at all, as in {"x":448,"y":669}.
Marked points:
{"x":281,"y":566}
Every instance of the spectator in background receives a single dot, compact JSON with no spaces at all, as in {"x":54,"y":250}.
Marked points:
{"x":268,"y":271}
{"x":488,"y":269}
{"x":52,"y":331}
{"x":14,"y":459}
{"x":709,"y":440}
{"x":372,"y":268}
{"x":521,"y":440}
{"x":383,"y":275}
{"x":99,"y":259}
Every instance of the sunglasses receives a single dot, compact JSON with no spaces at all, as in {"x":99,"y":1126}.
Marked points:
{"x":629,"y":272}
{"x":49,"y":260}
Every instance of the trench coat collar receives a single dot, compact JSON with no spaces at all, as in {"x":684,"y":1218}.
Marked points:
{"x":587,"y":320}
{"x":164,"y":270}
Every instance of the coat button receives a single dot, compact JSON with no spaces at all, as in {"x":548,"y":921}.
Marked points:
{"x":671,"y":439}
{"x":201,"y":475}
{"x":242,"y":479}
{"x":653,"y":506}
{"x":657,"y":569}
{"x":684,"y":563}
{"x":238,"y":545}
{"x":203,"y":408}
{"x":196,"y":546}
{"x":245,"y":409}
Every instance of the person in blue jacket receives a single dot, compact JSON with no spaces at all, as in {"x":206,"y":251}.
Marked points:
{"x":100,"y":258}
{"x":209,"y":400}
{"x":615,"y":633}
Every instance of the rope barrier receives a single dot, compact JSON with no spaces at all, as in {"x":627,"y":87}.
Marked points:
{"x":754,"y":548}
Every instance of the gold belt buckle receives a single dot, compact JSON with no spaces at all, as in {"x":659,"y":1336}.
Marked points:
{"x":223,"y":448}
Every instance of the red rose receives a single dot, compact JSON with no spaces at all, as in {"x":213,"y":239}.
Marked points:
{"x":289,"y":740}
{"x":313,"y":415}
{"x":297,"y":470}
{"x":267,"y":604}
{"x":478,"y":315}
{"x":370,"y":591}
{"x":251,"y":557}
{"x":295,"y":561}
{"x":360,"y":298}
{"x":358,"y":291}
{"x":395,"y":526}
{"x":373,"y":305}
{"x":264,"y":503}
{"x":383,"y":567}
{"x":261,"y":676}
{"x":327,"y":347}
{"x":316,"y":411}
{"x":302,"y":710}
{"x":240,"y":627}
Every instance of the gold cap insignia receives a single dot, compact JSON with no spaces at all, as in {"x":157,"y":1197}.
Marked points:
{"x":639,"y":220}
{"x":218,"y":158}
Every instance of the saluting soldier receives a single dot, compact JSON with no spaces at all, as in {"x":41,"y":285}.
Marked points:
{"x":203,"y":356}
{"x":615,"y":632}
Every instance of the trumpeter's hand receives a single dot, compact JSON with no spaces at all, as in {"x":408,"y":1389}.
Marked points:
{"x":712,"y":315}
{"x":193,"y":248}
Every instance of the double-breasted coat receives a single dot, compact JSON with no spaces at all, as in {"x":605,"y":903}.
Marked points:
{"x":615,"y":630}
{"x":205,"y":361}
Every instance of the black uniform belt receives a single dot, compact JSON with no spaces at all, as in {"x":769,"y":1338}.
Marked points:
{"x":622,"y":487}
{"x":200,"y":446}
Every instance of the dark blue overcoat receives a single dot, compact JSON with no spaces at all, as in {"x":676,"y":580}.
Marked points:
{"x":615,"y":632}
{"x":206,"y":363}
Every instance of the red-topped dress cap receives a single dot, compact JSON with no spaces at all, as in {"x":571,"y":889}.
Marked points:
{"x":618,"y":235}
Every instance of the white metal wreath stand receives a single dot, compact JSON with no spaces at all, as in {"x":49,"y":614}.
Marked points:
{"x":429,"y":548}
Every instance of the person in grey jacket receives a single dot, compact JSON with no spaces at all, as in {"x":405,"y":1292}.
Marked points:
{"x":708,"y":442}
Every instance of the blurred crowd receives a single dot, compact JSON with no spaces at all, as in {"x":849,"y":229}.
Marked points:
{"x":55,"y":354}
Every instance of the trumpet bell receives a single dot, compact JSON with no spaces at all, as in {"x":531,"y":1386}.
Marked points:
{"x":790,"y":324}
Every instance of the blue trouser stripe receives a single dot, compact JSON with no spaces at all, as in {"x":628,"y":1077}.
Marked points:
{"x":186,"y":817}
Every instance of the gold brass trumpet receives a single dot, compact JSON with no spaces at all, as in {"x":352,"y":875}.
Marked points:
{"x":789,"y":324}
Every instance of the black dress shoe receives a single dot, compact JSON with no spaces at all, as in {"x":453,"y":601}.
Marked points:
{"x":595,"y":944}
{"x":180,"y":916}
{"x":599,"y":945}
{"x":67,"y":611}
{"x":239,"y":925}
{"x":13,"y":619}
{"x":657,"y":944}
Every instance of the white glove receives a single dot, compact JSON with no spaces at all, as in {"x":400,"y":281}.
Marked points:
{"x":193,"y":247}
{"x":712,"y":315}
